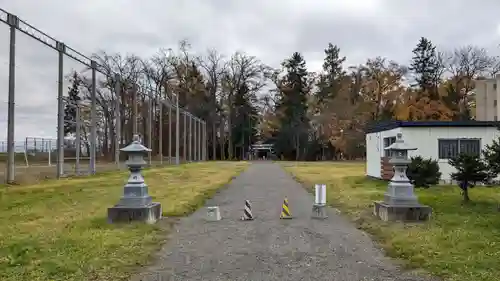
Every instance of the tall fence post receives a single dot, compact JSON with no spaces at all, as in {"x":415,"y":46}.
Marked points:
{"x":198,"y":143}
{"x":134,"y":113}
{"x":196,"y":148}
{"x":61,"y":48}
{"x":170,"y":132}
{"x":199,"y":139}
{"x":149,"y":128}
{"x":50,"y":153}
{"x":117,"y":119}
{"x":160,"y":131}
{"x":177,"y":130}
{"x":78,"y":139}
{"x":184,"y":138}
{"x":13,"y":21}
{"x":195,"y":140}
{"x":195,"y":137}
{"x":93,"y":119}
{"x":190,"y":138}
{"x":205,"y":141}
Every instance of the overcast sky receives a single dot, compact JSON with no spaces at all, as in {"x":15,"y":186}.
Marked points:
{"x":269,"y":29}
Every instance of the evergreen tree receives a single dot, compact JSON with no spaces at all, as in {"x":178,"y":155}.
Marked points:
{"x":244,"y":120}
{"x":192,"y":87}
{"x":198,"y":91}
{"x":470,"y":170}
{"x":292,"y":108}
{"x":330,"y":81}
{"x":427,"y":68}
{"x":71,"y":105}
{"x":491,"y":155}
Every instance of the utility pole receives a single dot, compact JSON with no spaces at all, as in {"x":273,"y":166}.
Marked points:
{"x":177,"y":138}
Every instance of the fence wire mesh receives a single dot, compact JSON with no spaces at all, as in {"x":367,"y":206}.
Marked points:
{"x":65,"y":114}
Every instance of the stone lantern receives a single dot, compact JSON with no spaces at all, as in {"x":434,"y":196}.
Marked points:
{"x":135,"y":204}
{"x":400,"y":202}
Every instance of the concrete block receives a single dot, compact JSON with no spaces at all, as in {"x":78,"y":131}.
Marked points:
{"x":319,"y":211}
{"x":213,"y":213}
{"x":388,"y":212}
{"x":149,"y":214}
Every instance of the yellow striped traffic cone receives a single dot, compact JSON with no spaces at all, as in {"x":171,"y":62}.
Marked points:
{"x":285,"y":211}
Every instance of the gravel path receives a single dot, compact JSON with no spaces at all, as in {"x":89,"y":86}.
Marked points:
{"x":269,"y":248}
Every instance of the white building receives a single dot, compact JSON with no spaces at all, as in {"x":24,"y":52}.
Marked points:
{"x":439,"y":140}
{"x":487,"y":93}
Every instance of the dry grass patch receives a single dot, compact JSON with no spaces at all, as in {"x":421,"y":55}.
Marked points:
{"x":40,"y":172}
{"x":58,"y":230}
{"x":460,"y":243}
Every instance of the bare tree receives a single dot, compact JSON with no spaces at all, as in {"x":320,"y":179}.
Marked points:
{"x":242,"y":69}
{"x":465,"y":64}
{"x":158,"y":70}
{"x":495,"y":68}
{"x":468,"y":62}
{"x":214,"y":67}
{"x":128,"y":68}
{"x":159,"y":73}
{"x":380,"y":79}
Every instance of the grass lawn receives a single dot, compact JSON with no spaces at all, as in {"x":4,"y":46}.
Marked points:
{"x":460,"y":243}
{"x":57,"y":230}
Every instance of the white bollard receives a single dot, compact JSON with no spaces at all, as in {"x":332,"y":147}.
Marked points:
{"x":213,"y":213}
{"x":319,"y":207}
{"x":320,"y":192}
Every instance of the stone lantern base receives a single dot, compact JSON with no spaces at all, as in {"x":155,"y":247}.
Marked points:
{"x":150,"y":213}
{"x":389,"y":212}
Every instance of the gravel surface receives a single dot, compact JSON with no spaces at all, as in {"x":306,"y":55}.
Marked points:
{"x":268,"y":248}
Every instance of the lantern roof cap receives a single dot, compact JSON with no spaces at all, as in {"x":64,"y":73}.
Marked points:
{"x":135,"y":146}
{"x":400,"y":144}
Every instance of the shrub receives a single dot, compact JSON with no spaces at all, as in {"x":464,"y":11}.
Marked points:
{"x":423,"y":172}
{"x":491,"y":155}
{"x":471,"y":169}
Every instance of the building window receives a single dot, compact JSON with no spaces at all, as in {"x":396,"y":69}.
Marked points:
{"x":388,"y":141}
{"x":494,"y":86}
{"x":450,"y":148}
{"x":494,"y":102}
{"x":495,"y":118}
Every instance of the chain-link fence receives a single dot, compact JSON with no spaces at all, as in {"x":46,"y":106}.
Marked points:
{"x":90,"y":110}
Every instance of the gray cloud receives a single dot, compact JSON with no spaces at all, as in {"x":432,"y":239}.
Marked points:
{"x":270,"y":30}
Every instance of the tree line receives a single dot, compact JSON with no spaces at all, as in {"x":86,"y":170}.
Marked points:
{"x":306,"y":115}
